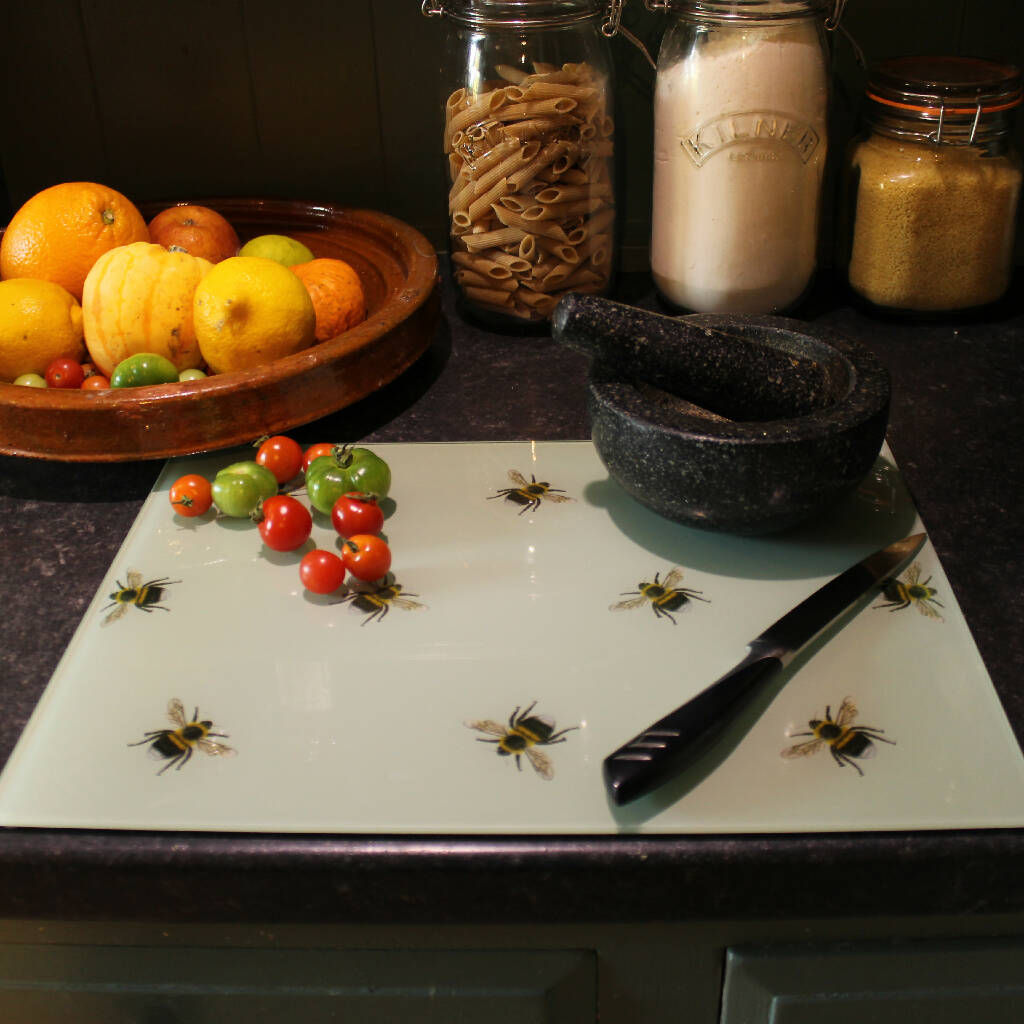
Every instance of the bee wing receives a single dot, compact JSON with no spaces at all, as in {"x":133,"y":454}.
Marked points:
{"x":541,"y":763}
{"x":134,"y":579}
{"x":674,"y":576}
{"x":847,"y":712}
{"x":215,"y":749}
{"x":517,"y":478}
{"x":633,"y":602}
{"x":492,"y":728}
{"x":176,"y":713}
{"x":927,"y":609}
{"x":113,"y":616}
{"x":548,"y":496}
{"x":803,"y":749}
{"x":407,"y":603}
{"x":913,"y":574}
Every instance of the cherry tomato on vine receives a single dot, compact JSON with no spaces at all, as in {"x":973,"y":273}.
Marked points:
{"x":314,"y":451}
{"x":356,"y":512}
{"x":64,"y":373}
{"x":284,"y":522}
{"x":190,"y":495}
{"x":366,"y":557}
{"x":346,"y":469}
{"x":96,"y":382}
{"x":282,"y":456}
{"x":321,"y":572}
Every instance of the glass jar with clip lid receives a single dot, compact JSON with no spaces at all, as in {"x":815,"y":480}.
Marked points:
{"x":932,"y":186}
{"x":529,"y":139}
{"x":740,"y":143}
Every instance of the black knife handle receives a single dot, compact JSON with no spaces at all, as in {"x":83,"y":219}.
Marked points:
{"x":675,"y":742}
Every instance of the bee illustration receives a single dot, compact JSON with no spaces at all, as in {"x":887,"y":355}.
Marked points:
{"x":664,"y":596}
{"x":523,"y":734}
{"x":176,"y":745}
{"x":144,"y":596}
{"x":529,"y":494}
{"x":845,"y":740}
{"x":379,"y":600}
{"x":910,"y":591}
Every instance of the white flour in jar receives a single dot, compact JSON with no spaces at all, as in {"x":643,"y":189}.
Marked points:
{"x":739,"y":152}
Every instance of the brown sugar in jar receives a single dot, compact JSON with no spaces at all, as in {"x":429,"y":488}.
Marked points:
{"x":934,"y":186}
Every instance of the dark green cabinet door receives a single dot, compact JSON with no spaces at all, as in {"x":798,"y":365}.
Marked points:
{"x":940,"y":983}
{"x":145,"y":985}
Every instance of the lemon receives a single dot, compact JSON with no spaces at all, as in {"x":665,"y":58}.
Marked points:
{"x":39,"y":321}
{"x":249,"y":311}
{"x":279,"y":248}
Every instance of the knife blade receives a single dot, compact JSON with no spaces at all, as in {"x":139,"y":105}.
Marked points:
{"x":672,"y":744}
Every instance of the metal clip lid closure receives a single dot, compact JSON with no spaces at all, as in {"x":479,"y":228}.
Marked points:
{"x":523,"y":13}
{"x":949,"y":97}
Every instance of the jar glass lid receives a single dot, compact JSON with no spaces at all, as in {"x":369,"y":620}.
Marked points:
{"x":945,"y":86}
{"x":521,"y":13}
{"x":742,"y":10}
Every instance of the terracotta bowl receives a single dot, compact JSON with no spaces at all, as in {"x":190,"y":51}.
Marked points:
{"x":398,"y":270}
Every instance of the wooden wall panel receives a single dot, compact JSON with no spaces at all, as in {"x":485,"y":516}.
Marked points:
{"x":314,"y":88}
{"x":171,"y":82}
{"x":49,"y":126}
{"x":409,"y":52}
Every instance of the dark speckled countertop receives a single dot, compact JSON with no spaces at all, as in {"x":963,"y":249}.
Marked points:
{"x":956,"y":426}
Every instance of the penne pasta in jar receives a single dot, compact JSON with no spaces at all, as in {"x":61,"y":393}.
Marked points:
{"x":528,"y":143}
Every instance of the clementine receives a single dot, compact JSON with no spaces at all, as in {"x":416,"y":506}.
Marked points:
{"x":59,"y":233}
{"x":195,"y":229}
{"x":337,"y":294}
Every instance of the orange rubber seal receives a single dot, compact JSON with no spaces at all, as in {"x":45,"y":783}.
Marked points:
{"x":936,"y":111}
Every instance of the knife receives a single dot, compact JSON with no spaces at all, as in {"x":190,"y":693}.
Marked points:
{"x":672,"y":744}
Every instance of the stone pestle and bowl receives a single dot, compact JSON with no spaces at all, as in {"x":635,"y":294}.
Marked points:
{"x":740,"y":424}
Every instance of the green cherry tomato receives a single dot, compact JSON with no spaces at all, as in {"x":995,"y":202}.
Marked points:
{"x":187,"y":375}
{"x":265,"y":481}
{"x":235,"y":494}
{"x":237,"y":489}
{"x":347,"y":469}
{"x":30,"y":380}
{"x":143,"y":369}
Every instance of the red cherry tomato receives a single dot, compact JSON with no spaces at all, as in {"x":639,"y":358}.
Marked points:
{"x":356,"y":512}
{"x":190,"y":495}
{"x":285,"y":524}
{"x":282,"y":456}
{"x":321,"y":572}
{"x":314,"y":451}
{"x":64,"y":373}
{"x":366,"y":557}
{"x":96,"y":382}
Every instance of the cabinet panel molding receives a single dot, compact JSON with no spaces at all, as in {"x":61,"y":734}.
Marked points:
{"x":146,"y":985}
{"x":941,"y":982}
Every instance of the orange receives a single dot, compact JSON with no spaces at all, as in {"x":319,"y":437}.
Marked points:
{"x":337,"y":294}
{"x":197,"y":230}
{"x":59,"y":233}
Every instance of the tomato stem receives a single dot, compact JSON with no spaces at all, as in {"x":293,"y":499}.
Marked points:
{"x":343,"y":454}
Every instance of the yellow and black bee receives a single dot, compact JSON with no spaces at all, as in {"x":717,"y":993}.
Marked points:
{"x":176,"y":745}
{"x":664,"y":596}
{"x":530,"y":493}
{"x":379,"y":600}
{"x":909,"y":591}
{"x":844,"y":740}
{"x":144,"y":596}
{"x":523,"y":734}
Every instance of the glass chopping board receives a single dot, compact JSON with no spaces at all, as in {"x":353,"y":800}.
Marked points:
{"x":517,"y":643}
